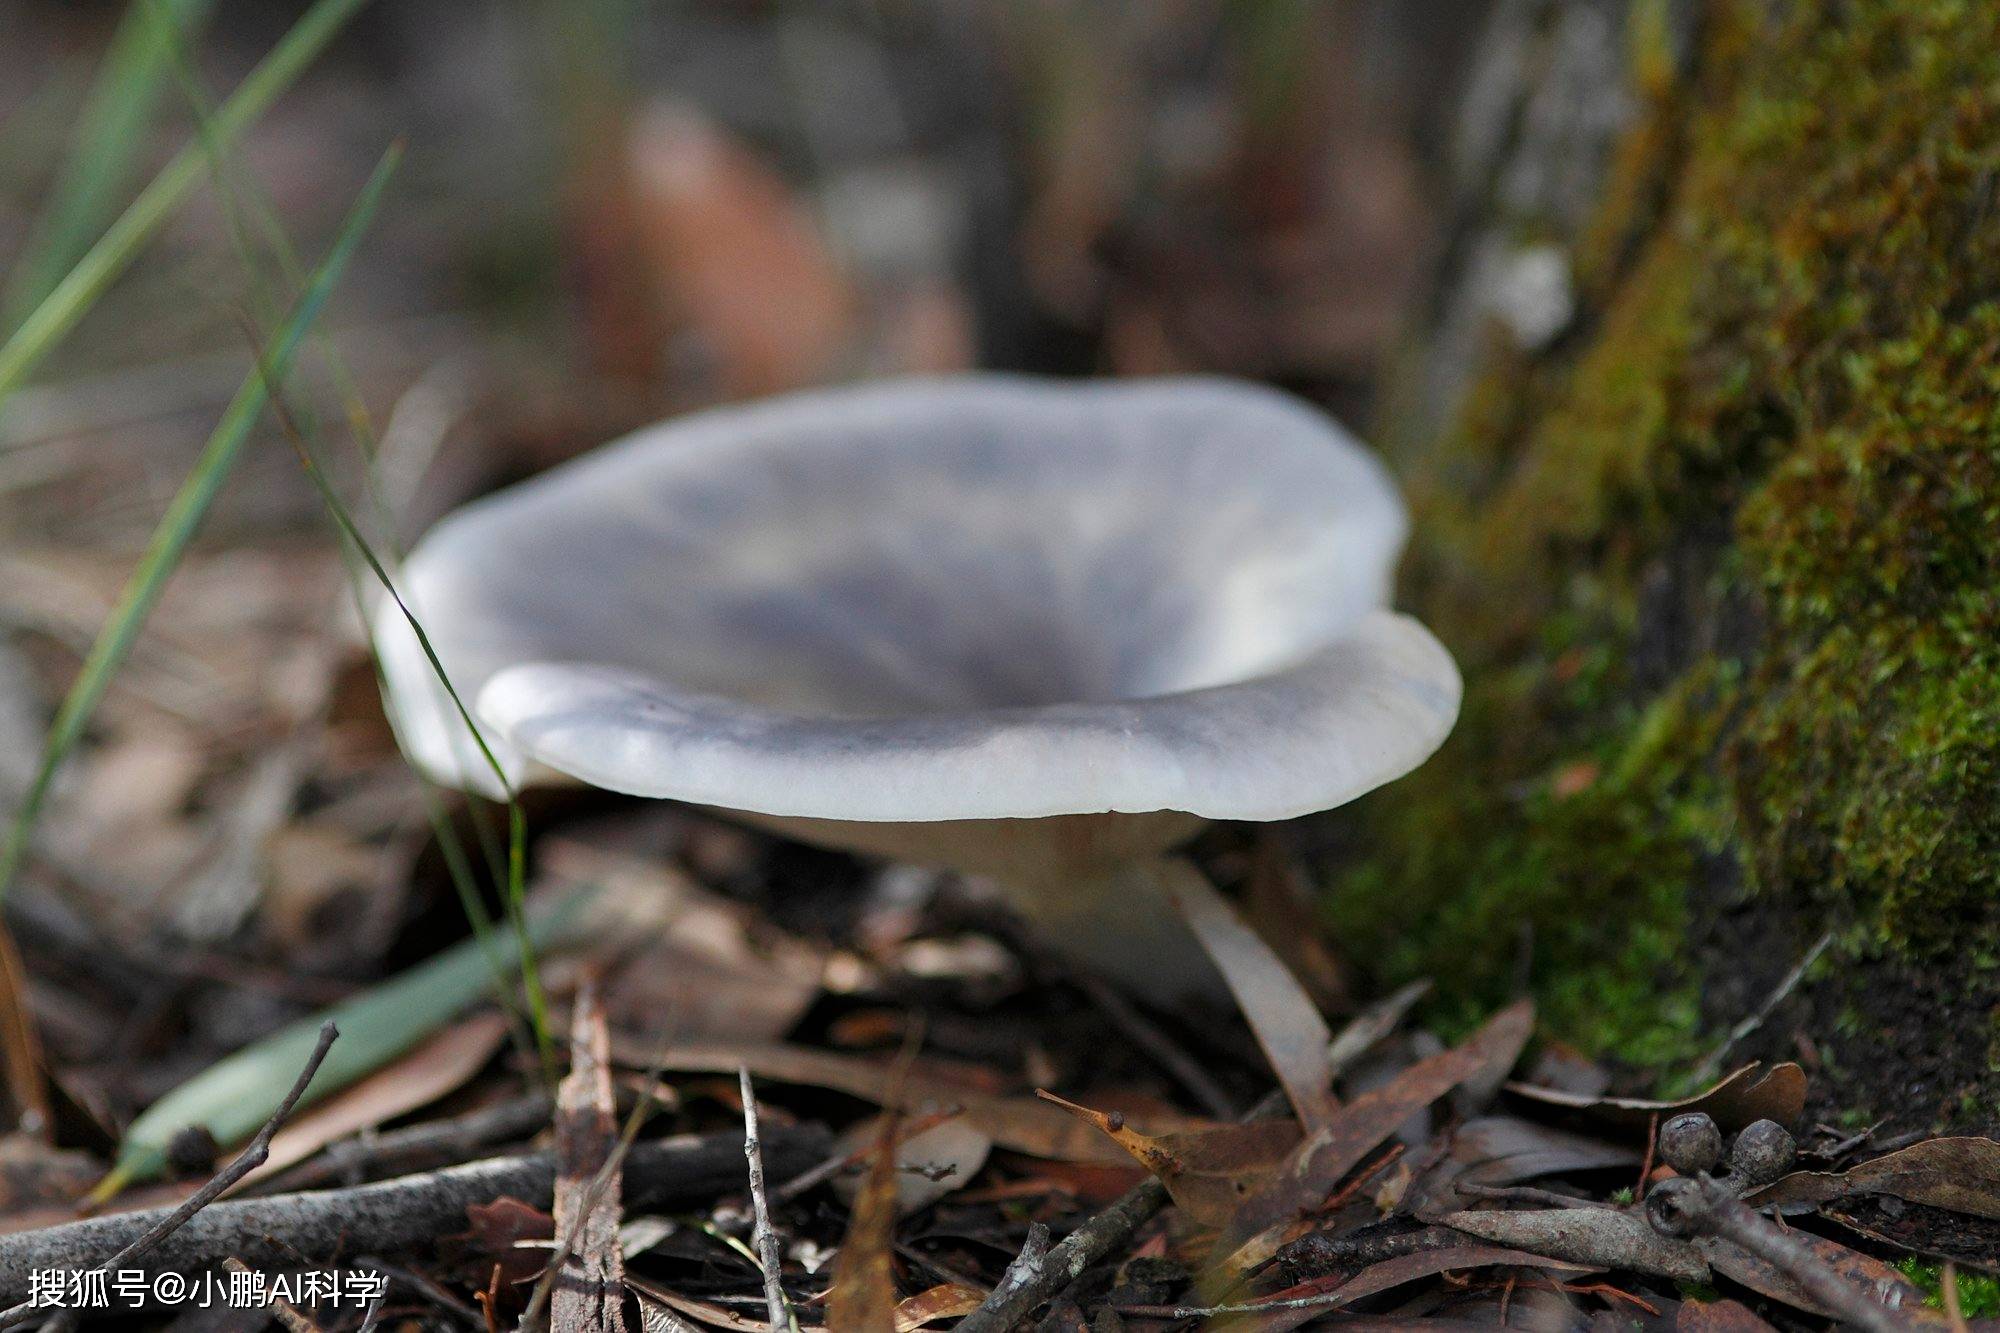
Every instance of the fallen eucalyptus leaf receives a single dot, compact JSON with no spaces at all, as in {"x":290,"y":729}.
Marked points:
{"x":1959,"y":1174}
{"x":952,"y":1300}
{"x":1499,"y":1150}
{"x":1361,"y":1125}
{"x":1777,"y":1093}
{"x":1021,"y":1124}
{"x":1209,"y":1172}
{"x":863,"y":1294}
{"x":438,"y":1065}
{"x":1597,"y":1237}
{"x":1283,"y":1018}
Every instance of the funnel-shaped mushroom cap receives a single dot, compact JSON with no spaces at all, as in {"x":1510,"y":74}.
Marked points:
{"x":971,"y":598}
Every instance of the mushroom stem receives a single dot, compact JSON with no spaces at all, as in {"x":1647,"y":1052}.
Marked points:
{"x":1095,"y":886}
{"x":1121,"y":923}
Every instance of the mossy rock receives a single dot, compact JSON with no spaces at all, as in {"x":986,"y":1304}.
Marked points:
{"x":1721,"y":564}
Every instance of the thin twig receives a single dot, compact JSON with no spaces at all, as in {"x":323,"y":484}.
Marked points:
{"x":587,"y":1286}
{"x":1033,"y":1279}
{"x":1267,"y":1306}
{"x":1527,"y":1194}
{"x":1010,"y":1302}
{"x":249,"y":1160}
{"x":416,"y":1147}
{"x":1702,"y":1206}
{"x":769,"y":1257}
{"x":392,"y":1215}
{"x":614,"y":1168}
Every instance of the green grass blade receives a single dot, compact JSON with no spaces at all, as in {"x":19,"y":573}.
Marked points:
{"x":245,"y":203}
{"x":184,"y":515}
{"x":53,"y":318}
{"x":517,"y":820}
{"x":109,"y":132}
{"x":234,"y":1097}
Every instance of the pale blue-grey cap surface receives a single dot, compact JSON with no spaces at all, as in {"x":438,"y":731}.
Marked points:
{"x":964,"y":598}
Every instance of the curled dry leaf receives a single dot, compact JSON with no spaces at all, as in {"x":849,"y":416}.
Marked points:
{"x":1323,"y":1159}
{"x":1597,"y":1237}
{"x":1209,"y":1172}
{"x":952,"y":1300}
{"x":1750,"y":1093}
{"x":1959,"y":1174}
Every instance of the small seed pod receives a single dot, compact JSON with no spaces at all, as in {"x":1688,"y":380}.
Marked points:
{"x":1690,"y":1143}
{"x":192,"y":1151}
{"x":1676,"y":1208}
{"x":1762,"y":1152}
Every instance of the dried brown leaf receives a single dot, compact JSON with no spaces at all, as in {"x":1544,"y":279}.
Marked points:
{"x":1750,"y":1093}
{"x":735,"y":260}
{"x":1209,"y":1172}
{"x":952,"y":1300}
{"x":494,"y":1239}
{"x":20,"y":1049}
{"x":1500,"y":1150}
{"x":438,"y":1066}
{"x":1959,"y":1174}
{"x":1596,"y":1237}
{"x":1324,"y":1158}
{"x":863,"y":1295}
{"x":1284,"y":1019}
{"x":1877,"y":1279}
{"x":1021,"y":1124}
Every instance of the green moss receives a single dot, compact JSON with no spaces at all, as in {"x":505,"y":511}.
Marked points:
{"x":1978,"y":1293}
{"x":1732,"y":554}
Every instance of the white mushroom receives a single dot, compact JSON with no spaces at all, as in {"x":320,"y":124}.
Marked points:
{"x":1029,"y":629}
